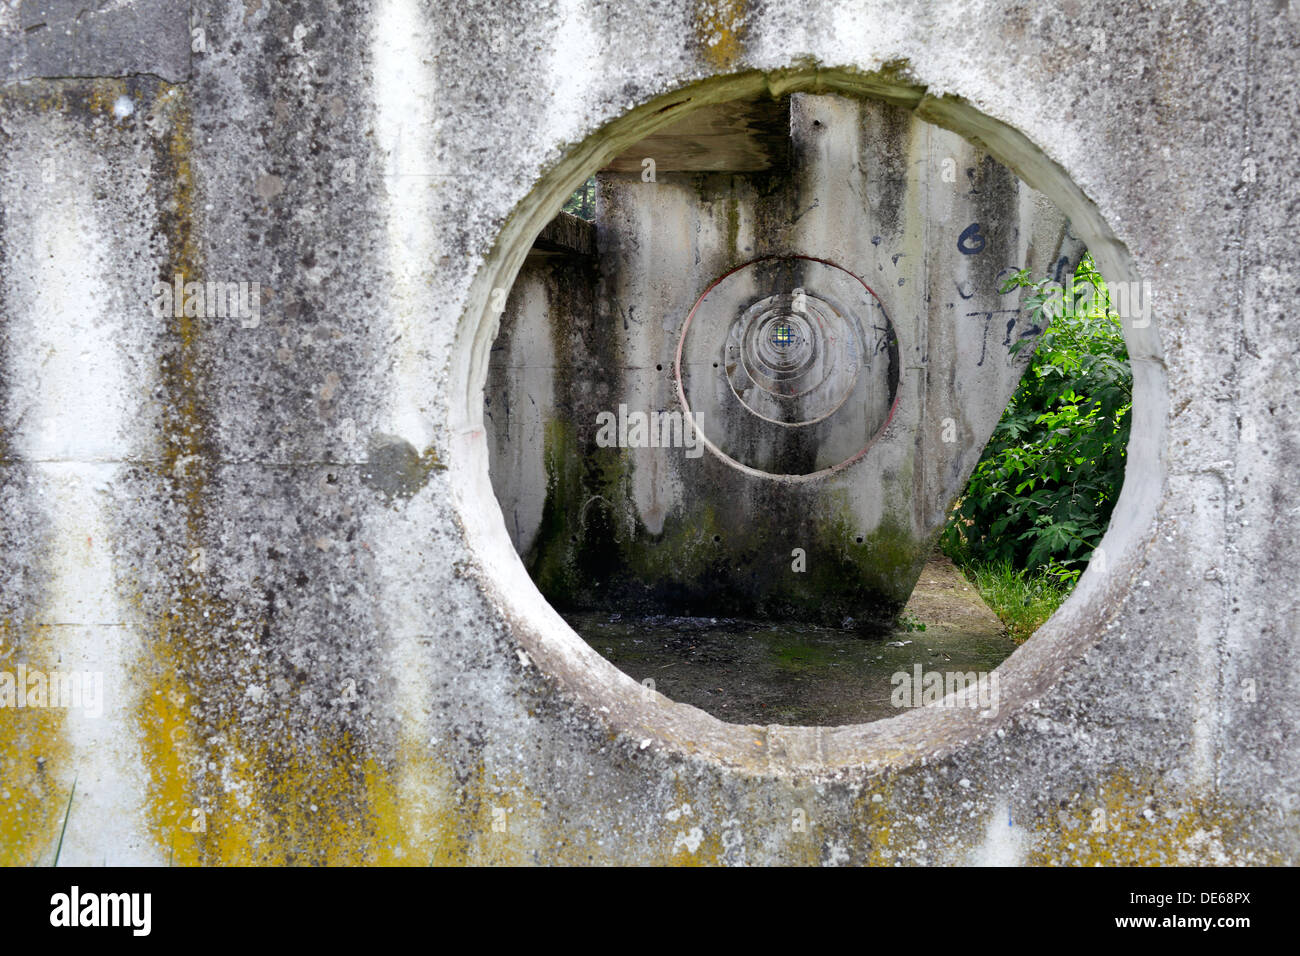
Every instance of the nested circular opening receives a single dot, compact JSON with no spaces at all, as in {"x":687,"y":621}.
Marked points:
{"x":784,"y":334}
{"x":788,"y":330}
{"x":784,"y":340}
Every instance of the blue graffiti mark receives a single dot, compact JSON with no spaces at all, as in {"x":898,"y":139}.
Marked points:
{"x":988,"y":322}
{"x":971,"y":241}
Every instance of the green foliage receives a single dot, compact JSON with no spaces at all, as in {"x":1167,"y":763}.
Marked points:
{"x":67,"y":812}
{"x":910,"y":622}
{"x":583,"y":201}
{"x":1041,"y":496}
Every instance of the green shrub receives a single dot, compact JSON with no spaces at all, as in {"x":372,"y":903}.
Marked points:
{"x":1041,"y":496}
{"x":582,"y":203}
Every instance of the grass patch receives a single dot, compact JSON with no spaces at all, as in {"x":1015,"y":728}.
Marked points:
{"x":1022,"y":600}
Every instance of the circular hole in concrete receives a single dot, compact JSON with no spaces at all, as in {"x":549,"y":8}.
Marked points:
{"x":613,"y":515}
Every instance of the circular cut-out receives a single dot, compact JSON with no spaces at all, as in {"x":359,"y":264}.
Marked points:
{"x":899,"y":742}
{"x":788,"y":359}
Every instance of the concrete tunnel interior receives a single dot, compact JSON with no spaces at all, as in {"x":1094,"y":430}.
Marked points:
{"x":730,"y":406}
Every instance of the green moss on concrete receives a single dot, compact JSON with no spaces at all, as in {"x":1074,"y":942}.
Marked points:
{"x":593,"y":552}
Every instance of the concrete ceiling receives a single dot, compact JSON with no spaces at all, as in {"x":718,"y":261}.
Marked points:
{"x":742,"y":136}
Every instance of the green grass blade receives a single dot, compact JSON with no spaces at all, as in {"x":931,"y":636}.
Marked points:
{"x":67,"y":812}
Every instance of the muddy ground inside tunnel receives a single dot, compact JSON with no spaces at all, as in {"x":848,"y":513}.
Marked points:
{"x":750,"y":672}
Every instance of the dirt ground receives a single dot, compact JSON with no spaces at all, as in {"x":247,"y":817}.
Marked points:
{"x":945,"y":599}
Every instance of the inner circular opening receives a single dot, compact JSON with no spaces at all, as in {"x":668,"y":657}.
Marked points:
{"x":803,"y":388}
{"x":828,"y":601}
{"x":782,"y":335}
{"x":637,"y":705}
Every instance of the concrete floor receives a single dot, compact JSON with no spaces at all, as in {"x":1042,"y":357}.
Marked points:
{"x":764,"y":673}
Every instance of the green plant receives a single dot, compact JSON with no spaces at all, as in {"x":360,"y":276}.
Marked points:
{"x":582,"y":203}
{"x":910,"y":622}
{"x":67,"y":812}
{"x":1022,"y":600}
{"x":1042,"y":493}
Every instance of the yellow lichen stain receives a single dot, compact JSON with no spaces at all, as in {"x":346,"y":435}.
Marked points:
{"x":720,"y":30}
{"x":172,"y":753}
{"x":797,"y":821}
{"x":408,"y":807}
{"x":689,"y":833}
{"x":36,"y":775}
{"x":290,"y":802}
{"x":104,"y":93}
{"x":325,"y":803}
{"x":85,"y":97}
{"x":1124,"y":822}
{"x":884,"y":830}
{"x":37,"y":772}
{"x":170,"y":748}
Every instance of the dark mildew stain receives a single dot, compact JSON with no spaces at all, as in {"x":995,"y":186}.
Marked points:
{"x":396,"y":469}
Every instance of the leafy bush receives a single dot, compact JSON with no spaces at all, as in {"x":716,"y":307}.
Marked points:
{"x":1041,"y":496}
{"x":582,"y":203}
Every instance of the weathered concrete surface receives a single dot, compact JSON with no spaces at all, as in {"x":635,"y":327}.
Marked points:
{"x":51,"y":38}
{"x":331,"y":669}
{"x":832,"y":465}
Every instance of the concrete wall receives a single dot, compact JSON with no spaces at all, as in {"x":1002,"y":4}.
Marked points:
{"x":552,"y":362}
{"x":278,"y":541}
{"x":857,"y":471}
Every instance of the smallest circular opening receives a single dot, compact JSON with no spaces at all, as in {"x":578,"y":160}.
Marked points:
{"x":782,"y":335}
{"x":659,"y":368}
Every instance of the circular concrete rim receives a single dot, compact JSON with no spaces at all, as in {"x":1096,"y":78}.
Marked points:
{"x":782,"y":476}
{"x":646,"y":719}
